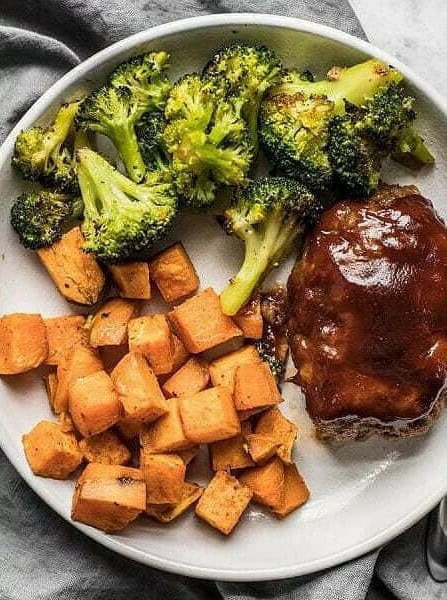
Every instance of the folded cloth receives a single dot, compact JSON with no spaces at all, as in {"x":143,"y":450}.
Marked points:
{"x":41,"y":556}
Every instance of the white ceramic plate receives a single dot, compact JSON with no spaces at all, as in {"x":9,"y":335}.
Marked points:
{"x":363,"y":493}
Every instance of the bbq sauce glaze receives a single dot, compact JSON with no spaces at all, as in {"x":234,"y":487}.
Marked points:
{"x":368,"y":311}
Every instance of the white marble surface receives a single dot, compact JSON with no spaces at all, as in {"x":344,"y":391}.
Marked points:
{"x":415,"y":31}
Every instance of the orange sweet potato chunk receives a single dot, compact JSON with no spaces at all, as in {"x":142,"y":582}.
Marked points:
{"x":138,"y":389}
{"x":82,"y":361}
{"x":266,"y":482}
{"x":109,"y":497}
{"x":174,"y":274}
{"x":132,"y":280}
{"x":50,"y":451}
{"x":76,"y":274}
{"x":105,"y":448}
{"x":64,"y":333}
{"x":151,"y":336}
{"x":109,"y":325}
{"x":193,"y":377}
{"x":296,"y":492}
{"x":261,"y":446}
{"x":231,"y":453}
{"x":164,"y":475}
{"x":249,"y":319}
{"x":200,"y":323}
{"x":168,"y":512}
{"x":223,"y":369}
{"x":23,"y":343}
{"x":94,"y":403}
{"x":255,"y":387}
{"x":166,"y":434}
{"x":275,"y":424}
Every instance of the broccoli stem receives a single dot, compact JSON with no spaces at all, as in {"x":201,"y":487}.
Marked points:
{"x":58,"y":133}
{"x":126,"y":143}
{"x":411,"y":150}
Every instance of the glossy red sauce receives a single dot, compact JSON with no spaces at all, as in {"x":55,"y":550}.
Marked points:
{"x":368,"y":307}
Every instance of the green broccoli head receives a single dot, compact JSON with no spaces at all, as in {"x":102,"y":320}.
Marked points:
{"x":44,"y":156}
{"x":149,"y":134}
{"x":135,"y":87}
{"x":122,"y":218}
{"x":269,"y":215}
{"x":207,"y":139}
{"x":247,"y":72}
{"x":39,"y":217}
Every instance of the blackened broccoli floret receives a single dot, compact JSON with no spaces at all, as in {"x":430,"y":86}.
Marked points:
{"x":122,"y":218}
{"x":39,"y":217}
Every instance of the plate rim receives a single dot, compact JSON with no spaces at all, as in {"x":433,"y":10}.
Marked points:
{"x":42,"y":104}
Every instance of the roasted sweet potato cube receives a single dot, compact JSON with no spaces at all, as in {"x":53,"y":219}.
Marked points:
{"x":166,"y":433}
{"x":275,"y":424}
{"x":193,"y":377}
{"x":209,"y":416}
{"x":180,"y":353}
{"x":223,"y":369}
{"x":223,"y":502}
{"x":132,"y":280}
{"x":200,"y":323}
{"x":66,"y":422}
{"x":109,"y":325}
{"x":296,"y":492}
{"x":81,"y":362}
{"x":261,"y":446}
{"x":174,"y":274}
{"x":188,"y":455}
{"x":138,"y":388}
{"x":249,"y":319}
{"x":129,"y":428}
{"x":266,"y":482}
{"x":94,"y":403}
{"x":255,"y":387}
{"x":76,"y":274}
{"x":50,"y":381}
{"x":23,"y":343}
{"x":50,"y":451}
{"x":64,"y":334}
{"x":109,"y":497}
{"x":164,"y":475}
{"x":231,"y":453}
{"x":105,"y":448}
{"x":165,"y":514}
{"x":151,"y":336}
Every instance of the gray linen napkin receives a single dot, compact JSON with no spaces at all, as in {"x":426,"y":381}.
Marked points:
{"x":41,"y":556}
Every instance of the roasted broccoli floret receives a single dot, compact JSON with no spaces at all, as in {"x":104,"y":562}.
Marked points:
{"x":149,"y":134}
{"x":269,"y":215}
{"x":122,"y":218}
{"x":248,"y":72}
{"x":207,"y":139}
{"x":337,"y":130}
{"x":135,"y":87}
{"x":44,"y":155}
{"x":39,"y":217}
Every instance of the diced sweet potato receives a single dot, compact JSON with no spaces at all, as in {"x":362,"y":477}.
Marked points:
{"x":83,"y":361}
{"x":255,"y":387}
{"x":50,"y":381}
{"x":94,"y":403}
{"x":23,"y":343}
{"x":223,"y":502}
{"x":109,"y":497}
{"x":209,"y":416}
{"x":64,"y":334}
{"x":188,"y":455}
{"x":66,"y":422}
{"x":132,"y":280}
{"x":174,"y":274}
{"x":180,"y":353}
{"x":51,"y":452}
{"x":164,"y":475}
{"x":165,"y":514}
{"x":166,"y":433}
{"x":223,"y":369}
{"x":200,"y":323}
{"x":231,"y":453}
{"x":266,"y":482}
{"x":275,"y":424}
{"x":261,"y":446}
{"x":105,"y":448}
{"x":193,"y":377}
{"x":244,"y":415}
{"x":295,"y":493}
{"x":109,"y":325}
{"x":249,"y":319}
{"x":151,"y":336}
{"x":76,"y":274}
{"x":138,"y":389}
{"x":129,"y":428}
